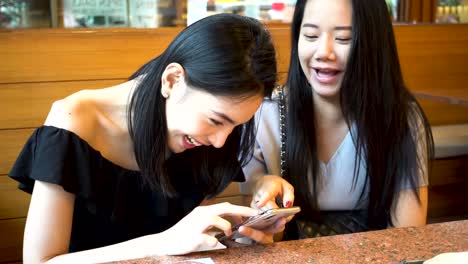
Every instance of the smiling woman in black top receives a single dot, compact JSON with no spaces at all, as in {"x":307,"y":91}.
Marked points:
{"x":120,"y":172}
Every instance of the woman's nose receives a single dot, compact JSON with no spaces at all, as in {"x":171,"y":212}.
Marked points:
{"x":325,"y":49}
{"x":219,"y":138}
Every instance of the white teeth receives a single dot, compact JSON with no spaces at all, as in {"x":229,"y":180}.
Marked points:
{"x":326,"y":72}
{"x":192,"y":141}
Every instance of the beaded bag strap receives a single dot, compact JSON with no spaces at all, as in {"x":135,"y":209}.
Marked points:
{"x":282,"y":127}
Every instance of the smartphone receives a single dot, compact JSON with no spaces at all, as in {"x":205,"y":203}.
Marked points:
{"x":269,"y":216}
{"x":262,"y":220}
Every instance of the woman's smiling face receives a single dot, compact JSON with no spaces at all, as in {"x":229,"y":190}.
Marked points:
{"x":196,"y":118}
{"x":324,"y":44}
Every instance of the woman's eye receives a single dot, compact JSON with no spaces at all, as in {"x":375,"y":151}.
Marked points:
{"x":310,"y":37}
{"x":215,"y":122}
{"x":343,"y":40}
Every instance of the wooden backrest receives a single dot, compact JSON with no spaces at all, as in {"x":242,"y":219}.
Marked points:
{"x":40,"y":66}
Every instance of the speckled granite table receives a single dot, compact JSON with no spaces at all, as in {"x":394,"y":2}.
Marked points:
{"x":385,"y":246}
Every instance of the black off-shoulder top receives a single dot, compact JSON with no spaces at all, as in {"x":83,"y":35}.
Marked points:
{"x":111,"y":205}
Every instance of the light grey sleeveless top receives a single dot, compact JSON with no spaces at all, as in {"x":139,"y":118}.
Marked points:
{"x":336,"y":190}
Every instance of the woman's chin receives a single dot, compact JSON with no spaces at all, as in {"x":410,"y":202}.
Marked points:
{"x":176,"y":149}
{"x":327,"y":92}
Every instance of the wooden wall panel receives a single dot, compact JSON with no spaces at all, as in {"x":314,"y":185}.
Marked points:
{"x":11,"y":143}
{"x":81,"y":54}
{"x":27,"y":104}
{"x":450,"y":171}
{"x":433,"y":57}
{"x":447,"y":200}
{"x":11,"y":243}
{"x":14,"y":202}
{"x":60,"y":55}
{"x":282,"y":45}
{"x":440,"y":113}
{"x":63,"y":55}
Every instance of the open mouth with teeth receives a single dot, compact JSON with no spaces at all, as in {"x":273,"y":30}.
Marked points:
{"x":326,"y":72}
{"x":326,"y":76}
{"x":190,"y":142}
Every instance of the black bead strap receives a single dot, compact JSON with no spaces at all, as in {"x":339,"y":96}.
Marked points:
{"x":282,"y":121}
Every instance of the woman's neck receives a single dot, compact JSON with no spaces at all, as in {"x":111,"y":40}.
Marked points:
{"x":328,"y":112}
{"x":114,"y":137}
{"x":113,"y":103}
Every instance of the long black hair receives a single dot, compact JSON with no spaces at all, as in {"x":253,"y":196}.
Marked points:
{"x":224,"y":55}
{"x":390,"y":124}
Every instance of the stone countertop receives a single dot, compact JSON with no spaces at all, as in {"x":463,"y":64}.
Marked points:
{"x":384,"y":246}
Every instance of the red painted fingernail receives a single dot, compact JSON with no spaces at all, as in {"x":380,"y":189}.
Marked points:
{"x":288,"y":204}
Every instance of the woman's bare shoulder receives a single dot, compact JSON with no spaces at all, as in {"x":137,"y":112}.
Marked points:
{"x":75,"y":113}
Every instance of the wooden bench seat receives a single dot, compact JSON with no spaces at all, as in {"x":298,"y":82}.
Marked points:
{"x":450,"y":140}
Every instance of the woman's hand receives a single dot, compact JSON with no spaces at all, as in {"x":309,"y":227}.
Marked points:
{"x":264,"y":236}
{"x":268,"y":189}
{"x":190,"y":233}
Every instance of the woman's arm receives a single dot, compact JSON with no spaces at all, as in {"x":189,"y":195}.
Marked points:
{"x":266,"y":151}
{"x":408,"y":211}
{"x":49,"y":222}
{"x":48,"y":225}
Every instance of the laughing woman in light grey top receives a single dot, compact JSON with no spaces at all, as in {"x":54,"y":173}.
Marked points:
{"x":355,"y":143}
{"x":336,"y":187}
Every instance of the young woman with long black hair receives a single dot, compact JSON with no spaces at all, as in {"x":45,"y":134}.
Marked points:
{"x":120,"y":172}
{"x":345,"y":131}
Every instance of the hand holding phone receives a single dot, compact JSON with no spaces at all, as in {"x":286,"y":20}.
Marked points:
{"x":262,"y":220}
{"x":268,"y":217}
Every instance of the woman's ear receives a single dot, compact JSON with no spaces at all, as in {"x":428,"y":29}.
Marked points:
{"x":171,"y":77}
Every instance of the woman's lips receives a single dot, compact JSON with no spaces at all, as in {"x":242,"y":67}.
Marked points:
{"x":326,"y":76}
{"x":189,"y":142}
{"x":186,"y":143}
